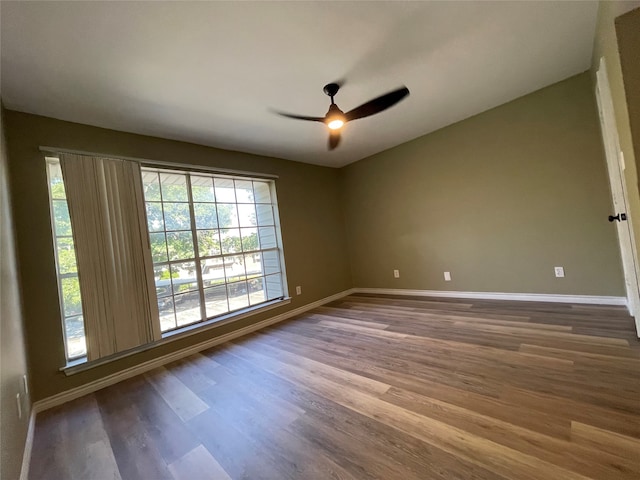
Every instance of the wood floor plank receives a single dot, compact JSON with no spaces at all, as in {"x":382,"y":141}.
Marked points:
{"x":513,"y":413}
{"x":198,"y":464}
{"x":339,"y":375}
{"x":192,"y":371}
{"x":237,"y":453}
{"x":181,"y":399}
{"x":600,"y":439}
{"x":83,"y":432}
{"x":373,"y":387}
{"x":614,"y":360}
{"x":133,"y":447}
{"x":440,"y":435}
{"x":50,"y":460}
{"x":572,"y":456}
{"x":372,"y":450}
{"x":578,"y":410}
{"x":169,"y":433}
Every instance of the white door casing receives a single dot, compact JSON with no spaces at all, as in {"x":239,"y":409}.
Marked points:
{"x":615,"y":167}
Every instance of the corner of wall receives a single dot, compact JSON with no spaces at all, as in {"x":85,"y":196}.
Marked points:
{"x":342,"y":171}
{"x":13,"y":430}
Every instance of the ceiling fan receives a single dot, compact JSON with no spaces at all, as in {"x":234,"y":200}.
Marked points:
{"x":336,"y":118}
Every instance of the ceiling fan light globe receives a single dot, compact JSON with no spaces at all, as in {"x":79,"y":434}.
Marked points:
{"x":335,"y":124}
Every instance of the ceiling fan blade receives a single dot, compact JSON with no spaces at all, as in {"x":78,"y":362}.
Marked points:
{"x":334,"y":139}
{"x":301,"y":117}
{"x":377,"y":104}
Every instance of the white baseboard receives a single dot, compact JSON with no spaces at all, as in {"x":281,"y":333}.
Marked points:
{"x":28,"y":445}
{"x":95,"y":385}
{"x":526,"y":297}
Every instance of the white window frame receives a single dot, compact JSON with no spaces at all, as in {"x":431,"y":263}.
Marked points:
{"x":188,"y":171}
{"x":79,"y":364}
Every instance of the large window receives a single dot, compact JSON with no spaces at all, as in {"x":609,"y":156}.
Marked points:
{"x":214,"y":242}
{"x":67,"y":270}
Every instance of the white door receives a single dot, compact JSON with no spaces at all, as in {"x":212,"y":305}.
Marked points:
{"x":615,"y":166}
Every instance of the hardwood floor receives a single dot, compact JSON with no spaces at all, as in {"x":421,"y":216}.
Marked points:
{"x":373,"y":388}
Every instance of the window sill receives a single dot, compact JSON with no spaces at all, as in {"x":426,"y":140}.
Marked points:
{"x":81,"y":365}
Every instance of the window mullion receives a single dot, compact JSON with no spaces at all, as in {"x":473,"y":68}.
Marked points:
{"x":196,"y":250}
{"x":226,"y":291}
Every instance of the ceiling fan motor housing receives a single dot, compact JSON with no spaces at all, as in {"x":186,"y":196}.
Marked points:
{"x":331,"y":89}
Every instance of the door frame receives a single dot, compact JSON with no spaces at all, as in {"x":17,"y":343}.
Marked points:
{"x":620,"y":199}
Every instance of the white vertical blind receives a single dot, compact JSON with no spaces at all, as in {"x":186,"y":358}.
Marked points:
{"x":116,"y":275}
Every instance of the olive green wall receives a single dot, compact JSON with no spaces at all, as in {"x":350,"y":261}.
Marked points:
{"x":13,"y":364}
{"x":310,"y":213}
{"x":498,"y":200}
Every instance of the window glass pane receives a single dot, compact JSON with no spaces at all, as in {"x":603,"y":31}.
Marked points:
{"x":162,"y":279}
{"x":187,"y":308}
{"x":227,"y":215}
{"x":262,"y":192}
{"x":66,"y":265}
{"x":55,"y":181}
{"x":225,"y":192}
{"x":155,"y":222}
{"x":71,"y":296}
{"x":271,"y":261}
{"x":264,"y":214}
{"x":183,"y":277}
{"x":267,"y":237}
{"x":249,"y":239}
{"x":202,"y":189}
{"x":231,"y":216}
{"x":238,"y":295}
{"x":234,"y":268}
{"x":247,"y":215}
{"x":274,"y":286}
{"x":208,"y":243}
{"x":257,"y":293}
{"x":216,"y":300}
{"x":253,"y":264}
{"x":66,"y":255}
{"x":167,"y":315}
{"x":213,"y":271}
{"x":61,"y":218}
{"x":158,"y":247}
{"x":205,"y":214}
{"x":244,"y":191}
{"x":180,"y":245}
{"x":230,"y":239}
{"x":151,"y":185}
{"x":74,"y":332}
{"x":177,"y":216}
{"x":174,"y":187}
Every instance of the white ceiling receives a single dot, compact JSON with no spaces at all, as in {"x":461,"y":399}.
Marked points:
{"x":209,"y":72}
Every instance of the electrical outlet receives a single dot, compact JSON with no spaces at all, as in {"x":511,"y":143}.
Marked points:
{"x":396,"y":274}
{"x":559,"y":271}
{"x":19,"y":404}
{"x":25,"y":384}
{"x":447,"y":276}
{"x":298,"y":290}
